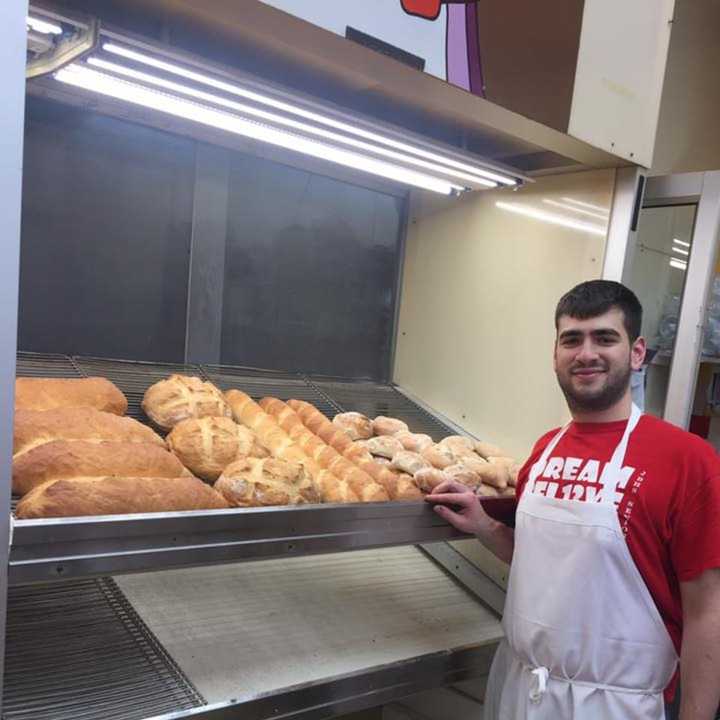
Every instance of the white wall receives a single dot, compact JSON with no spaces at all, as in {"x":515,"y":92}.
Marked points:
{"x":480,"y":285}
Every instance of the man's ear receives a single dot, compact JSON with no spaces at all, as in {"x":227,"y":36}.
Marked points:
{"x":637,"y":353}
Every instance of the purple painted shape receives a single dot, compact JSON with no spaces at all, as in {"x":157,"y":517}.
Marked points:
{"x":477,"y":85}
{"x":456,"y":47}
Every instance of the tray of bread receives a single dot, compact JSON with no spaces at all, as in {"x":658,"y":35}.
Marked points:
{"x":198,"y":449}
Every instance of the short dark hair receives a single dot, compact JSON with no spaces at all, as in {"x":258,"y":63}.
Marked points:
{"x":596,"y":297}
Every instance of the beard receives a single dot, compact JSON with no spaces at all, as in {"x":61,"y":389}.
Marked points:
{"x":597,"y":399}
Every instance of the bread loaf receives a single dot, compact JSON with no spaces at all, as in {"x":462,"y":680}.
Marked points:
{"x":472,"y":462}
{"x":357,"y":452}
{"x":384,"y":446}
{"x":409,"y":462}
{"x":439,"y":456}
{"x":255,"y":482}
{"x":464,"y":475}
{"x":52,"y":393}
{"x":355,"y":424}
{"x":78,"y":496}
{"x":486,"y":450}
{"x":458,"y":445}
{"x":246,"y":411}
{"x":488,"y":491}
{"x":35,"y":427}
{"x":495,"y":475}
{"x":513,"y":473}
{"x":62,"y":459}
{"x":208,"y":445}
{"x":508,"y":462}
{"x":388,"y":426}
{"x":178,"y":398}
{"x":362,"y":484}
{"x":414,"y":442}
{"x":428,"y":479}
{"x":398,"y":488}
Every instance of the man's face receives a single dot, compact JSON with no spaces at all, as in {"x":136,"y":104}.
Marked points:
{"x":594,"y":359}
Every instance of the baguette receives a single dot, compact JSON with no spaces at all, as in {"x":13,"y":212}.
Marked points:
{"x":62,"y":459}
{"x":398,"y":488}
{"x":362,"y":484}
{"x":35,"y":427}
{"x":53,"y":393}
{"x":79,"y":496}
{"x":246,"y":411}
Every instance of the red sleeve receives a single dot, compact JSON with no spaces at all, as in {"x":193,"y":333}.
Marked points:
{"x":534,"y":457}
{"x":695,"y":541}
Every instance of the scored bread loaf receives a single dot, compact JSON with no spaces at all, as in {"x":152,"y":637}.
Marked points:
{"x":113,"y":495}
{"x":397,"y":487}
{"x":52,"y":393}
{"x":61,"y":459}
{"x":355,"y":424}
{"x":180,"y":397}
{"x":362,"y":484}
{"x":35,"y":427}
{"x":208,"y":445}
{"x":246,"y":411}
{"x":388,"y":426}
{"x":257,"y":482}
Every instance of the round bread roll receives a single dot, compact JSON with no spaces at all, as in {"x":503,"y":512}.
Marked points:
{"x":495,"y":475}
{"x":208,"y":445}
{"x":428,"y":479}
{"x":488,"y":491}
{"x":409,"y":462}
{"x":462,"y":474}
{"x":388,"y":426}
{"x":508,"y":462}
{"x":355,"y":424}
{"x":486,"y":450}
{"x":439,"y":456}
{"x":178,"y":398}
{"x":256,"y":482}
{"x":415,"y":442}
{"x":458,"y":445}
{"x":385,"y":446}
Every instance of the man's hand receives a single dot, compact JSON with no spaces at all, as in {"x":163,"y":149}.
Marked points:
{"x":461,"y":507}
{"x":700,"y":654}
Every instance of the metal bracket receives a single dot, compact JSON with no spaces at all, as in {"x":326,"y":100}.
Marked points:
{"x":66,"y":51}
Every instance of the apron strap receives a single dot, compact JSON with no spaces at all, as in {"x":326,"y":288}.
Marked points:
{"x":612,"y":473}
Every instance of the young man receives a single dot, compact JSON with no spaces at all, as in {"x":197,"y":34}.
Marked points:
{"x":615,"y":557}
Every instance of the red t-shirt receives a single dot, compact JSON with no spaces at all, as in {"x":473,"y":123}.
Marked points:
{"x":668,"y":505}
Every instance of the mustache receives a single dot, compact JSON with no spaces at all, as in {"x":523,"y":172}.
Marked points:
{"x":596,"y":367}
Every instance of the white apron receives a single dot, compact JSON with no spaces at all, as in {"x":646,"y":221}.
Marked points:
{"x":583,"y":637}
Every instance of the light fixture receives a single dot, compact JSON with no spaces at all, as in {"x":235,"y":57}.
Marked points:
{"x":551,"y":218}
{"x":680,"y":251}
{"x":448,"y":163}
{"x":679,"y":264}
{"x":582,"y":211}
{"x":587,"y":205}
{"x":681,"y":242}
{"x":286,"y":122}
{"x":85,"y":77}
{"x":43,"y":26}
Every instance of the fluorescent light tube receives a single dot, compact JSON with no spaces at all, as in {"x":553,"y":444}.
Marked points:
{"x":679,"y":264}
{"x":84,"y":77}
{"x":551,"y":218}
{"x":566,"y":206}
{"x":680,"y":251}
{"x":174,"y":69}
{"x":587,"y":205}
{"x":281,"y":120}
{"x":43,"y":26}
{"x":681,"y":242}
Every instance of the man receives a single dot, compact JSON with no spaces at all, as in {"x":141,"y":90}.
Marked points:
{"x":615,"y":556}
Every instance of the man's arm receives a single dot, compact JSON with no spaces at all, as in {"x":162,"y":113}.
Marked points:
{"x":700,"y":653}
{"x":461,"y":508}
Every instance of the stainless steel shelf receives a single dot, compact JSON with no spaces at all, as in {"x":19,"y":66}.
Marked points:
{"x":63,"y":548}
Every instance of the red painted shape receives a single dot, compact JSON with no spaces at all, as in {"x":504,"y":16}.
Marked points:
{"x":428,"y":9}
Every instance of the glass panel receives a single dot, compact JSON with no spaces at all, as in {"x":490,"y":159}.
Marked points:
{"x":657,"y":276}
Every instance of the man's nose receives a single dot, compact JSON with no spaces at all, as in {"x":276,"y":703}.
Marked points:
{"x":587,"y":352}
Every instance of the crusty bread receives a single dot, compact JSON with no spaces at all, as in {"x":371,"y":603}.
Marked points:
{"x":61,"y":459}
{"x":355,"y":424}
{"x":246,"y":411}
{"x":458,"y":445}
{"x":255,"y":482}
{"x":472,"y":462}
{"x":414,"y":442}
{"x":486,"y":450}
{"x":409,"y":462}
{"x":208,"y":445}
{"x":428,"y":479}
{"x":464,"y":475}
{"x":362,"y":484}
{"x":78,"y":496}
{"x":396,"y":486}
{"x":35,"y":427}
{"x":490,"y":491}
{"x":383,"y":445}
{"x":495,"y":475}
{"x":388,"y":426}
{"x":439,"y":456}
{"x":180,"y":397}
{"x":52,"y":393}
